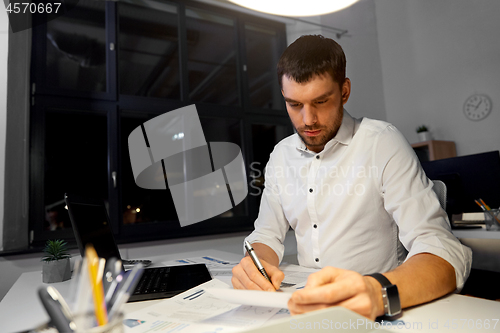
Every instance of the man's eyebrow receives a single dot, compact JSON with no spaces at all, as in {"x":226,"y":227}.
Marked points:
{"x":289,"y":100}
{"x":325,"y":95}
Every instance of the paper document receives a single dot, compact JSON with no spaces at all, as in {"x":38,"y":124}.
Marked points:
{"x":212,"y":263}
{"x":196,"y":310}
{"x":295,"y":276}
{"x":252,"y":297}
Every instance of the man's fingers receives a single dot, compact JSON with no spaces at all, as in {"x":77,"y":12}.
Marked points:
{"x":255,"y":275}
{"x":361,"y":305}
{"x":329,"y":293}
{"x":324,"y":276}
{"x":332,"y":292}
{"x":247,"y":276}
{"x":358,"y":304}
{"x":296,"y":309}
{"x":241,"y":280}
{"x":275,"y":275}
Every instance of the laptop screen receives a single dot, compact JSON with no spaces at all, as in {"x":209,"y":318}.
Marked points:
{"x":91,"y":225}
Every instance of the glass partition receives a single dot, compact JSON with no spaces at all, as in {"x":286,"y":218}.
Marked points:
{"x":76,"y":49}
{"x":148,"y":43}
{"x":262,"y":53}
{"x":141,"y":205}
{"x":211,"y":46}
{"x":75,"y":161}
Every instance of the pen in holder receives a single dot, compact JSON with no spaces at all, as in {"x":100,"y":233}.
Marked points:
{"x":491,"y":218}
{"x":114,"y":325}
{"x":87,"y":289}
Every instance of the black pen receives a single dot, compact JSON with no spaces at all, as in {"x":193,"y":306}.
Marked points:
{"x":111,"y":273}
{"x":59,"y":312}
{"x":256,"y":261}
{"x":125,"y":289}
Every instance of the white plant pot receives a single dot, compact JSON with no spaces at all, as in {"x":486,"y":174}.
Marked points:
{"x":424,"y":136}
{"x":56,"y":271}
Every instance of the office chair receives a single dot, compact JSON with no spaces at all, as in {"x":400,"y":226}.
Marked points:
{"x":440,"y":189}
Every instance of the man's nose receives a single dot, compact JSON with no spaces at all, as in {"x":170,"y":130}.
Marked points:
{"x":309,"y":115}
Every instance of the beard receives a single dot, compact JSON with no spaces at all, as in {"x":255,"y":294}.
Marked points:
{"x":317,"y":143}
{"x":313,"y":143}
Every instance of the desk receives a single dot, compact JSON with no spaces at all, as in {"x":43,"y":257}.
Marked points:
{"x":20,"y":309}
{"x":476,"y":233}
{"x":485,"y":247}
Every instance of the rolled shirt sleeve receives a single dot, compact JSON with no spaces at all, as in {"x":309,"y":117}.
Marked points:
{"x":408,"y":196}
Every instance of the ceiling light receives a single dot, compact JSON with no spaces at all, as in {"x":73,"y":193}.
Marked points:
{"x":295,"y":7}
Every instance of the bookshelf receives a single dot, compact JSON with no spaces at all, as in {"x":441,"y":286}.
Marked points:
{"x":434,"y":150}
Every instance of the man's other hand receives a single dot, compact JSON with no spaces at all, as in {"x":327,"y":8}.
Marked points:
{"x":338,"y":287}
{"x":247,"y":276}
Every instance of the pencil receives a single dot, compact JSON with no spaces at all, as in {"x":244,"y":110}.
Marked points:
{"x":485,"y":205}
{"x":96,"y":283}
{"x":487,"y":209}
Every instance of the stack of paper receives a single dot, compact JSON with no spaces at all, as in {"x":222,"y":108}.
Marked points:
{"x":468,"y":219}
{"x":196,"y":310}
{"x":214,"y":306}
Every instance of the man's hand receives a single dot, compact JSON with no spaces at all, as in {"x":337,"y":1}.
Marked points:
{"x":334,"y":286}
{"x":247,"y":276}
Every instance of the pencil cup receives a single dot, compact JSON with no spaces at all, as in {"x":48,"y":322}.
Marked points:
{"x":492,"y":223}
{"x":115,"y":325}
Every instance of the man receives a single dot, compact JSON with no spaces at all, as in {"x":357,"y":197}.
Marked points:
{"x":356,"y":196}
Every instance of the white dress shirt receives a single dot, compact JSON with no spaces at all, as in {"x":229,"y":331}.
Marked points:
{"x":363,"y":203}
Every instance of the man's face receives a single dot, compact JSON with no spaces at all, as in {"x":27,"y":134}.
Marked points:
{"x":316,"y":108}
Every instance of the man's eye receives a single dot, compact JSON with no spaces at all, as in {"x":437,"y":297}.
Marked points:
{"x":294,"y":105}
{"x":321,"y":102}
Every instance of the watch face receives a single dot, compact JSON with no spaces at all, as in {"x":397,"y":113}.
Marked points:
{"x":391,"y":300}
{"x":477,"y":107}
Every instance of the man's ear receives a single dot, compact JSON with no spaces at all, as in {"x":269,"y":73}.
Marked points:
{"x":346,"y":90}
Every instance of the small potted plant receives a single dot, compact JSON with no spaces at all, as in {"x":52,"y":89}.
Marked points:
{"x":56,"y":265}
{"x":423,"y":133}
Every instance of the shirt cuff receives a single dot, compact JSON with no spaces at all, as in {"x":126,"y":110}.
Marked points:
{"x":273,"y":243}
{"x":458,"y":255}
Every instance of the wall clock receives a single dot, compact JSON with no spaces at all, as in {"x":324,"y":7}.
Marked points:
{"x":477,"y":107}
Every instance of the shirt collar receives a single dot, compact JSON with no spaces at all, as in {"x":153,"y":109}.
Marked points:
{"x":343,"y":136}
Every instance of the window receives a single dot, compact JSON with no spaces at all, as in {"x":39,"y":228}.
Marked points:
{"x":107,"y":67}
{"x":212,"y":60}
{"x":148,"y":45}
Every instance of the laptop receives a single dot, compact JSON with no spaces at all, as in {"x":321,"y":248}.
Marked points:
{"x":91,"y":225}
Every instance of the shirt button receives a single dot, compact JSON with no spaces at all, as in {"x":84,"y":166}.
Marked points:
{"x":310,"y":190}
{"x":315,"y":226}
{"x":317,"y":157}
{"x":317,"y":259}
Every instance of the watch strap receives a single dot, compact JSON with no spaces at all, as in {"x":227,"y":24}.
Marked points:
{"x":390,"y":295}
{"x":381,"y":279}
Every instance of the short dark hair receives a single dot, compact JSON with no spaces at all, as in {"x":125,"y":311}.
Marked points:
{"x":312,"y":55}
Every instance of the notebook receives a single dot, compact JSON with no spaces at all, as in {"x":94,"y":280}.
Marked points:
{"x":468,"y":221}
{"x":90,"y":222}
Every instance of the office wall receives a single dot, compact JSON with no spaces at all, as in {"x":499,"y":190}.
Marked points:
{"x":434,"y":55}
{"x":4,"y":29}
{"x":361,"y":48}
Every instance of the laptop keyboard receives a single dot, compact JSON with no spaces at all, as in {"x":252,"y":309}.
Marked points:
{"x":153,"y":280}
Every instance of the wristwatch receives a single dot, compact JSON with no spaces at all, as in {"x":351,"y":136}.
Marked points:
{"x":390,"y":295}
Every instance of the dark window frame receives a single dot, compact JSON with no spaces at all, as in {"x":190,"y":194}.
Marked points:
{"x":111,"y":103}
